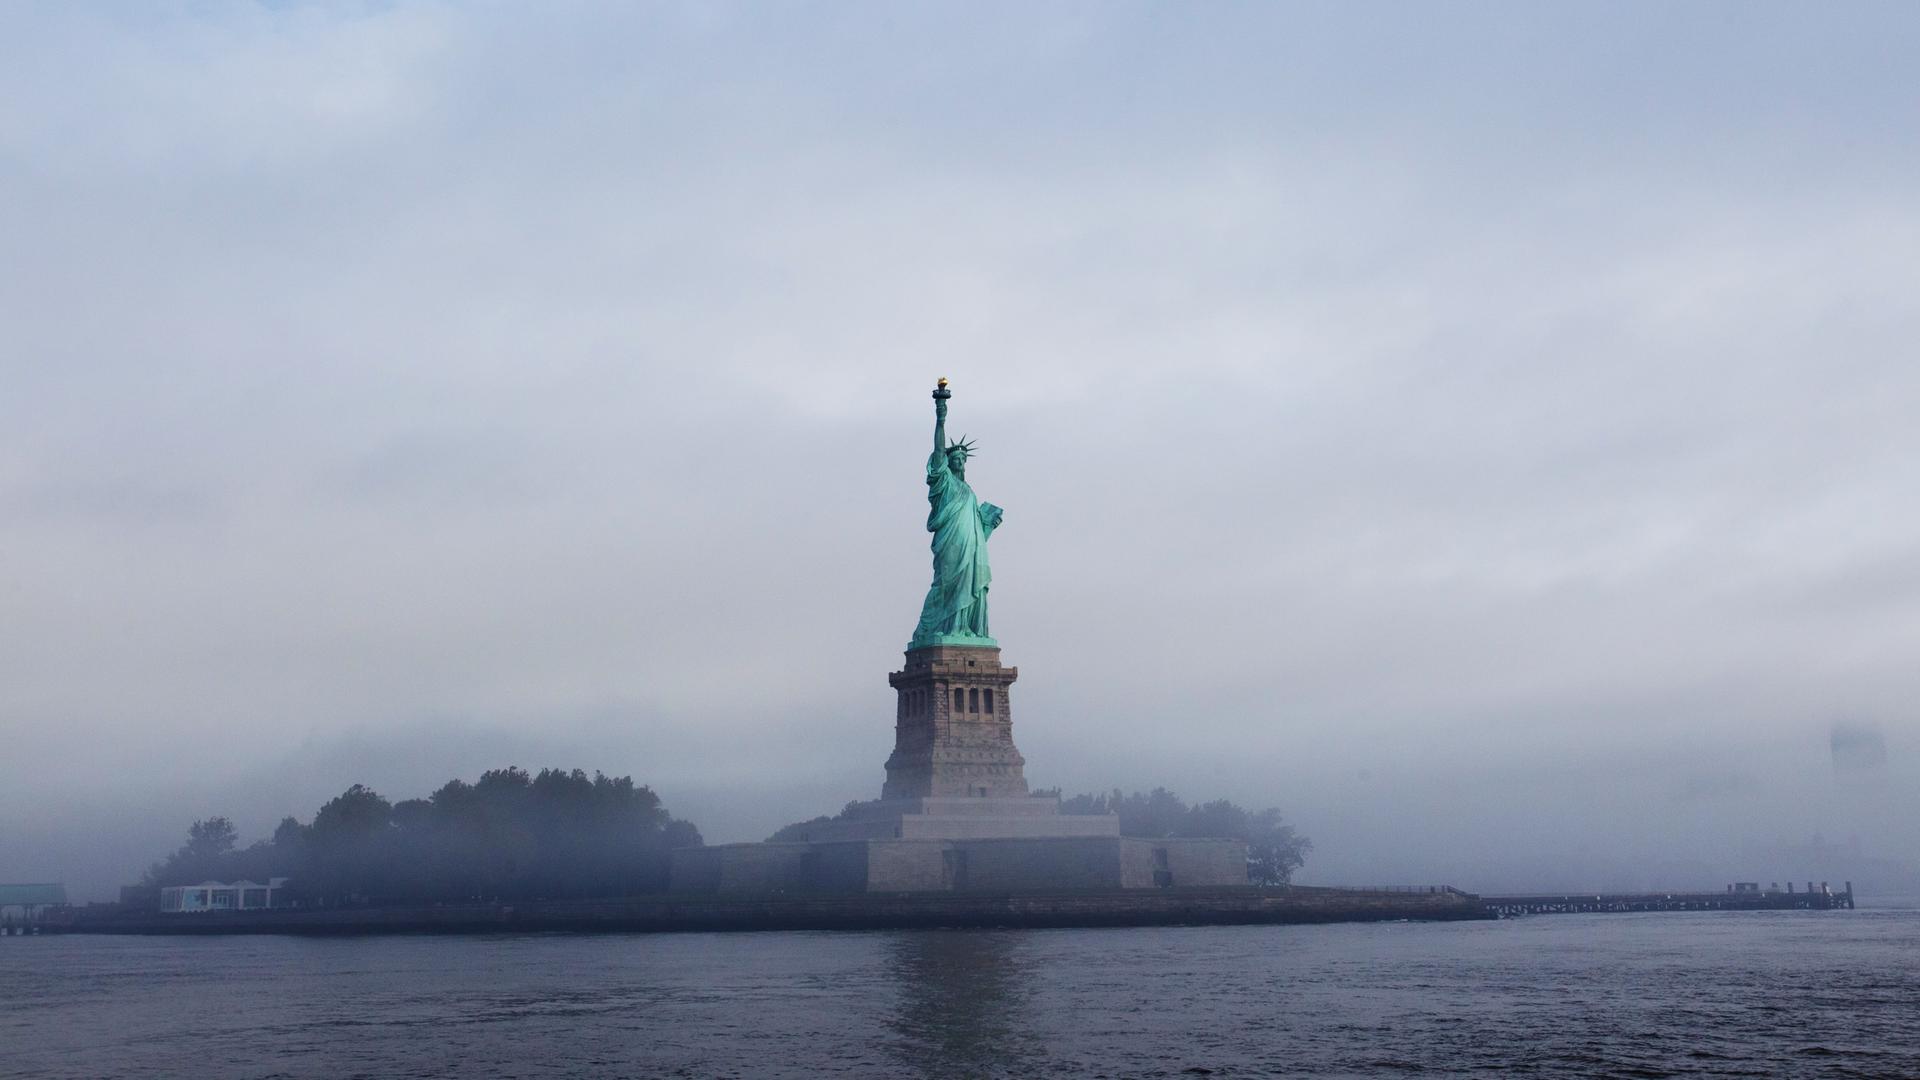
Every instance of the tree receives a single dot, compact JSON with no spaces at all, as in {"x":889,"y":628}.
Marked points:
{"x":211,"y":838}
{"x":1274,"y":850}
{"x":203,"y":857}
{"x":355,"y":814}
{"x":289,"y":834}
{"x":346,"y":857}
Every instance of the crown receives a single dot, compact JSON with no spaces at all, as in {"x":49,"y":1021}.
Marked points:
{"x":964,"y":445}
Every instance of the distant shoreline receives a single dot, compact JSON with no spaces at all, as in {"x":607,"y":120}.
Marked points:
{"x":665,"y":914}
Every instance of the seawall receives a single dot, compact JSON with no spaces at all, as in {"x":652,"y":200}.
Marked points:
{"x":1132,"y":907}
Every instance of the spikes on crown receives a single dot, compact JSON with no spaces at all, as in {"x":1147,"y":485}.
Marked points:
{"x":964,"y":445}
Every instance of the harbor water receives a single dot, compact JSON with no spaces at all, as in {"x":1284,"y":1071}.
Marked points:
{"x":1793,"y":993}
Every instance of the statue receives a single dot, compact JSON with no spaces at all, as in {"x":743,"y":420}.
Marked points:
{"x":955,"y":612}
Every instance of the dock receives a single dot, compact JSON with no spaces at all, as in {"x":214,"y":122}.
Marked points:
{"x":1744,"y":896}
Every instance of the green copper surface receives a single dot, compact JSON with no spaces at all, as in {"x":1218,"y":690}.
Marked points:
{"x":955,"y":611}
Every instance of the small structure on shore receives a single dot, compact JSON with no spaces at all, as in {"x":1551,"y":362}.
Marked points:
{"x":21,"y":906}
{"x":224,"y":896}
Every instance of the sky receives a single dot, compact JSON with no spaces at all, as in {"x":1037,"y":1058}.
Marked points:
{"x":1483,"y":431}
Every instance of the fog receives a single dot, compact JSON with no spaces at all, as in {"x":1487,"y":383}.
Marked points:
{"x":1484,"y":432}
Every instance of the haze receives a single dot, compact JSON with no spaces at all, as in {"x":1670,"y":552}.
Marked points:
{"x":1485,"y":432}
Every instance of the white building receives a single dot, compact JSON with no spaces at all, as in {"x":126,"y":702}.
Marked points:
{"x":223,"y":896}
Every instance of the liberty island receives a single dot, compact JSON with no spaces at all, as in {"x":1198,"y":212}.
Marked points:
{"x":956,"y":837}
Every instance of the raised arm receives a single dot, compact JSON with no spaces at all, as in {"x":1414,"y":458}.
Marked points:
{"x":940,"y":396}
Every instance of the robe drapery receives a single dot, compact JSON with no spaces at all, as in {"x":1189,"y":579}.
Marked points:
{"x":957,"y":601}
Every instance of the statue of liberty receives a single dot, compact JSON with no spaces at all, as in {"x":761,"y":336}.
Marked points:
{"x":955,"y":612}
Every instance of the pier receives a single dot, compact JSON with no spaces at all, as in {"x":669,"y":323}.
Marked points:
{"x":1744,"y":896}
{"x":24,"y":907}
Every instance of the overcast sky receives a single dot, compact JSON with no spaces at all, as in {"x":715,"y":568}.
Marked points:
{"x":1486,"y":432}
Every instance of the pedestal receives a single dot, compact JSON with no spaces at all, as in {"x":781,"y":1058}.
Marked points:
{"x":953,"y":727}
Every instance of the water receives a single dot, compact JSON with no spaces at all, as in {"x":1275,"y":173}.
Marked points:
{"x":1687,"y":994}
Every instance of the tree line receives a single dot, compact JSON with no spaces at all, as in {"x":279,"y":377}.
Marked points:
{"x":1274,"y":849}
{"x":510,"y":835}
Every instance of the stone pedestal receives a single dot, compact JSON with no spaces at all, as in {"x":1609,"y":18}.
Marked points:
{"x":955,"y":814}
{"x":953,"y":727}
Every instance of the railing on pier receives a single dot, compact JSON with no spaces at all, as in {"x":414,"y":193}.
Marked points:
{"x":1814,"y":899}
{"x":1437,"y":890}
{"x":19,"y":923}
{"x":22,"y":907}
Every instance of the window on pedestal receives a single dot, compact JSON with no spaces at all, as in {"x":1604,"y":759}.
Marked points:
{"x":986,"y":702}
{"x":973,"y":701}
{"x":959,"y":700}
